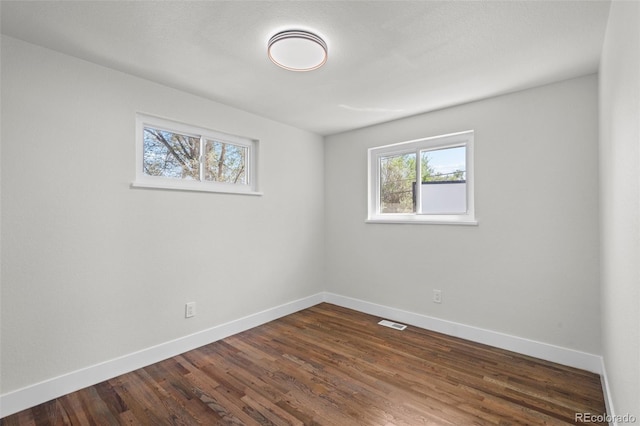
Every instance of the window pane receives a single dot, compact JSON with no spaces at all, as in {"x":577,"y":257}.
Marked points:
{"x":444,"y":188}
{"x":225,"y":162}
{"x":171,"y":155}
{"x":397,"y":180}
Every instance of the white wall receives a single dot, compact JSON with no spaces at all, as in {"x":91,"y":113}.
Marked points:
{"x":531,"y":267}
{"x":92,"y":269}
{"x":620,"y":205}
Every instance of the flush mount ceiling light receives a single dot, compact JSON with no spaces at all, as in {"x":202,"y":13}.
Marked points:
{"x":297,"y":50}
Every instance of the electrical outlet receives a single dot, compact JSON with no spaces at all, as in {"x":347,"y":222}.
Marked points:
{"x":190,"y":310}
{"x":437,"y":296}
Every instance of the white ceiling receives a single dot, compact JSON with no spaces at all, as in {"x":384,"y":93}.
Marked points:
{"x":387,"y":59}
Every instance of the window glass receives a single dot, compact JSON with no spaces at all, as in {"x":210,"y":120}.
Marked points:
{"x":225,"y":162}
{"x":170,"y":154}
{"x":397,"y":181}
{"x":447,"y":164}
{"x":443,"y":188}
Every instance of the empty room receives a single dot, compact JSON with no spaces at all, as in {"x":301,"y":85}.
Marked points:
{"x":320,"y":212}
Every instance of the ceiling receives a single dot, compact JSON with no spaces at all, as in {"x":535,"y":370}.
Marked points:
{"x":387,"y":59}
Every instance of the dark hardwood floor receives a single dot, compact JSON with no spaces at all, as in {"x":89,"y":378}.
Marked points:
{"x":329,"y":365}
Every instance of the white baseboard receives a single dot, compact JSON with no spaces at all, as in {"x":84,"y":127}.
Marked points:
{"x":608,"y":401}
{"x":21,"y":399}
{"x":558,"y":354}
{"x":15,"y":401}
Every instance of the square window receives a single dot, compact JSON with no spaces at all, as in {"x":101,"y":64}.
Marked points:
{"x":445,"y":175}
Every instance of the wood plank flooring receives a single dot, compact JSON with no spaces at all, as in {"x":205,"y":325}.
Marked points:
{"x":329,"y":365}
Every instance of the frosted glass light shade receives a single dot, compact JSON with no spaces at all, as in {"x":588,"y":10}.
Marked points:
{"x":297,"y":50}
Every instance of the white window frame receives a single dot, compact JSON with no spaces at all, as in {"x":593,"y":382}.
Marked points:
{"x":416,"y":146}
{"x":143,"y":180}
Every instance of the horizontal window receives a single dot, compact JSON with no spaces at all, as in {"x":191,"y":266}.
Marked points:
{"x":172,"y":155}
{"x":442,"y":165}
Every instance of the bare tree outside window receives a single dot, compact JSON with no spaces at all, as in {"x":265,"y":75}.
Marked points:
{"x":225,"y":162}
{"x":174,"y":155}
{"x":171,"y":155}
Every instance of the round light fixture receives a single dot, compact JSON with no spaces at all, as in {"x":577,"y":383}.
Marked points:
{"x":297,"y":50}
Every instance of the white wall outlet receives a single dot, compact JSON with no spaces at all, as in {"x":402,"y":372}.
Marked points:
{"x":190,"y":310}
{"x":437,"y":296}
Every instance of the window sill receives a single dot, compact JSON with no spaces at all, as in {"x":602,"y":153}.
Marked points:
{"x":194,"y":186}
{"x":422,"y":220}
